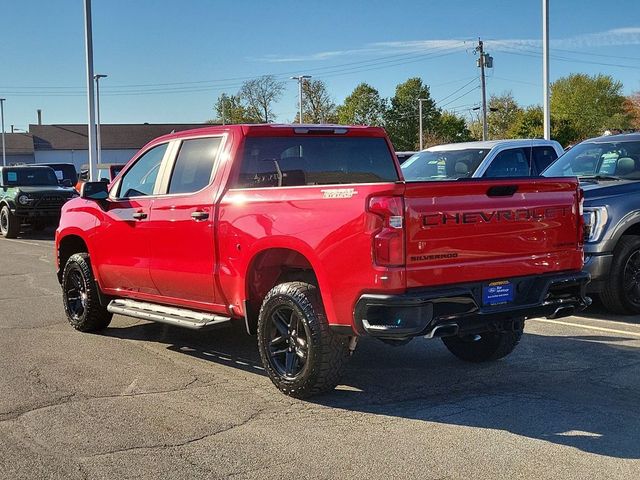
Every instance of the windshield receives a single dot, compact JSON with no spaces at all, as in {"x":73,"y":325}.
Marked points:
{"x":28,"y":177}
{"x":443,"y":165}
{"x":611,"y":159}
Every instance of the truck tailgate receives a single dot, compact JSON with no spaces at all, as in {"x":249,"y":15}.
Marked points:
{"x":473,"y":230}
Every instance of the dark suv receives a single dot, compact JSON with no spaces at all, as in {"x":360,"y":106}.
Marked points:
{"x":609,"y":171}
{"x":30,"y":195}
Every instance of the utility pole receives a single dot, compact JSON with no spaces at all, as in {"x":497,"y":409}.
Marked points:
{"x":420,"y":100}
{"x":88,"y":39}
{"x":98,"y":137}
{"x":545,"y":69}
{"x":484,"y":61}
{"x":300,"y":79}
{"x":4,"y":153}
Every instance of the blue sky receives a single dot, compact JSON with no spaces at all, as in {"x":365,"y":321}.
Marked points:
{"x":168,"y":61}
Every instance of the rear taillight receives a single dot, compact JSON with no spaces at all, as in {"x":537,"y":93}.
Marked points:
{"x":581,"y":225}
{"x":388,"y":238}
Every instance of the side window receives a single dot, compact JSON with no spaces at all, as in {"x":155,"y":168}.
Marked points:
{"x":194,"y":165}
{"x":140,"y":179}
{"x":542,"y":157}
{"x":509,"y":163}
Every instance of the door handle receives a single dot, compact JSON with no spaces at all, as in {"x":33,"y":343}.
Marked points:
{"x":199,"y":216}
{"x":139,"y":216}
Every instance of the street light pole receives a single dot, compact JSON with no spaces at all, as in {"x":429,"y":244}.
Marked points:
{"x":88,"y":40}
{"x":98,"y":138}
{"x":4,"y":153}
{"x":545,"y":69}
{"x":300,"y":79}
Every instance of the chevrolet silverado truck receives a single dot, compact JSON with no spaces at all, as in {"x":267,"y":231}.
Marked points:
{"x":609,"y":172}
{"x":312,"y":237}
{"x":30,"y":195}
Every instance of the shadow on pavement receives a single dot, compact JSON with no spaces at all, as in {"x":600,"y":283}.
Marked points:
{"x":574,"y":391}
{"x":598,"y":312}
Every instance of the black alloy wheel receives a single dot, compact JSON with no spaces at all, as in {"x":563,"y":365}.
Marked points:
{"x":288,"y":346}
{"x":631,"y":279}
{"x":75,"y":292}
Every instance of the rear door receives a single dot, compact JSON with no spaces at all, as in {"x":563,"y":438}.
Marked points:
{"x":182,"y":221}
{"x":482,"y":229}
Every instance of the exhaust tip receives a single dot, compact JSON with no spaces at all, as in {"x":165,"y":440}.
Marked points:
{"x":448,"y":330}
{"x":563,"y":312}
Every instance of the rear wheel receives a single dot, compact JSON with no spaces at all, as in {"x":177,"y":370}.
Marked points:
{"x":621,"y":294}
{"x":483,"y":347}
{"x":9,"y":223}
{"x":80,"y":296}
{"x":300,"y":353}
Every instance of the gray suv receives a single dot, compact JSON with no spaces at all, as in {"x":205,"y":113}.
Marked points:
{"x":609,"y":172}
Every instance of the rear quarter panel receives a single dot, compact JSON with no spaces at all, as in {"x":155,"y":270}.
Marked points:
{"x":333,"y":233}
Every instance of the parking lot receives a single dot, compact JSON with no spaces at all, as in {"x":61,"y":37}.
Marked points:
{"x":145,"y":400}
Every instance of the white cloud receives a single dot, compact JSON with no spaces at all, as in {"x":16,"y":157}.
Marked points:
{"x":608,"y":38}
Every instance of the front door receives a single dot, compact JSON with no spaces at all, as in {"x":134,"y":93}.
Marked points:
{"x":123,"y":230}
{"x":182,"y":244}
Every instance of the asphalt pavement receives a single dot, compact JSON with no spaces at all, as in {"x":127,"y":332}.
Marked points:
{"x":149,"y":401}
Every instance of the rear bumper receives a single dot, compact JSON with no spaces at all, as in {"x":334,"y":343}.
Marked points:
{"x":459,"y":309}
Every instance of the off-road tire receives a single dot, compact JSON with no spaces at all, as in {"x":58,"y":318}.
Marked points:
{"x":94,"y":316}
{"x":327,"y":352}
{"x":9,"y":223}
{"x":613,"y":296}
{"x":484,"y":347}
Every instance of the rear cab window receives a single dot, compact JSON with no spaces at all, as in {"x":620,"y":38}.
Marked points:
{"x":543,"y":157}
{"x":314,"y":160}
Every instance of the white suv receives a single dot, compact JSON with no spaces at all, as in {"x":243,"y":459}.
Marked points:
{"x":494,"y":158}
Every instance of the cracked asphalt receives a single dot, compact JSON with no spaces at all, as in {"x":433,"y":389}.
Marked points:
{"x":145,"y":400}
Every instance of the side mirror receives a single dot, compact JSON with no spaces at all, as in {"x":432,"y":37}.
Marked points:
{"x":94,"y":190}
{"x":67,"y":183}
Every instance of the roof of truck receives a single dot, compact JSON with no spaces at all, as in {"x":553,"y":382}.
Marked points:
{"x":489,"y":144}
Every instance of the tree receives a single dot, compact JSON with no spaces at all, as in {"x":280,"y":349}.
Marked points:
{"x":591,"y":104}
{"x":401,"y":119}
{"x":230,"y":109}
{"x":530,"y":124}
{"x":259,"y":95}
{"x":317,"y":104}
{"x":363,"y":106}
{"x":632,"y":110}
{"x":450,"y":128}
{"x":503,"y":112}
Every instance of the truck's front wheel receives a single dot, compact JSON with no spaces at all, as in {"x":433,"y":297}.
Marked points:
{"x":80,"y":296}
{"x":9,"y":223}
{"x":621,"y":292}
{"x":300,"y":353}
{"x":483,"y":347}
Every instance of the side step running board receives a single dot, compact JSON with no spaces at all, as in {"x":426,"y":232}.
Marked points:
{"x":179,"y":317}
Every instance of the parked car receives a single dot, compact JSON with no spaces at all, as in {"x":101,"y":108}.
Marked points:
{"x":404,"y":156}
{"x":65,"y":173}
{"x":492,"y":159}
{"x":609,"y":171}
{"x":108,"y":171}
{"x":311,"y":236}
{"x":30,"y":195}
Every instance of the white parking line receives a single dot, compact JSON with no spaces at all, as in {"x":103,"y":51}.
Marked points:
{"x":23,"y":241}
{"x":588,"y":327}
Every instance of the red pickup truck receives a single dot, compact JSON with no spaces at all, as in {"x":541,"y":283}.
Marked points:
{"x":311,"y":235}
